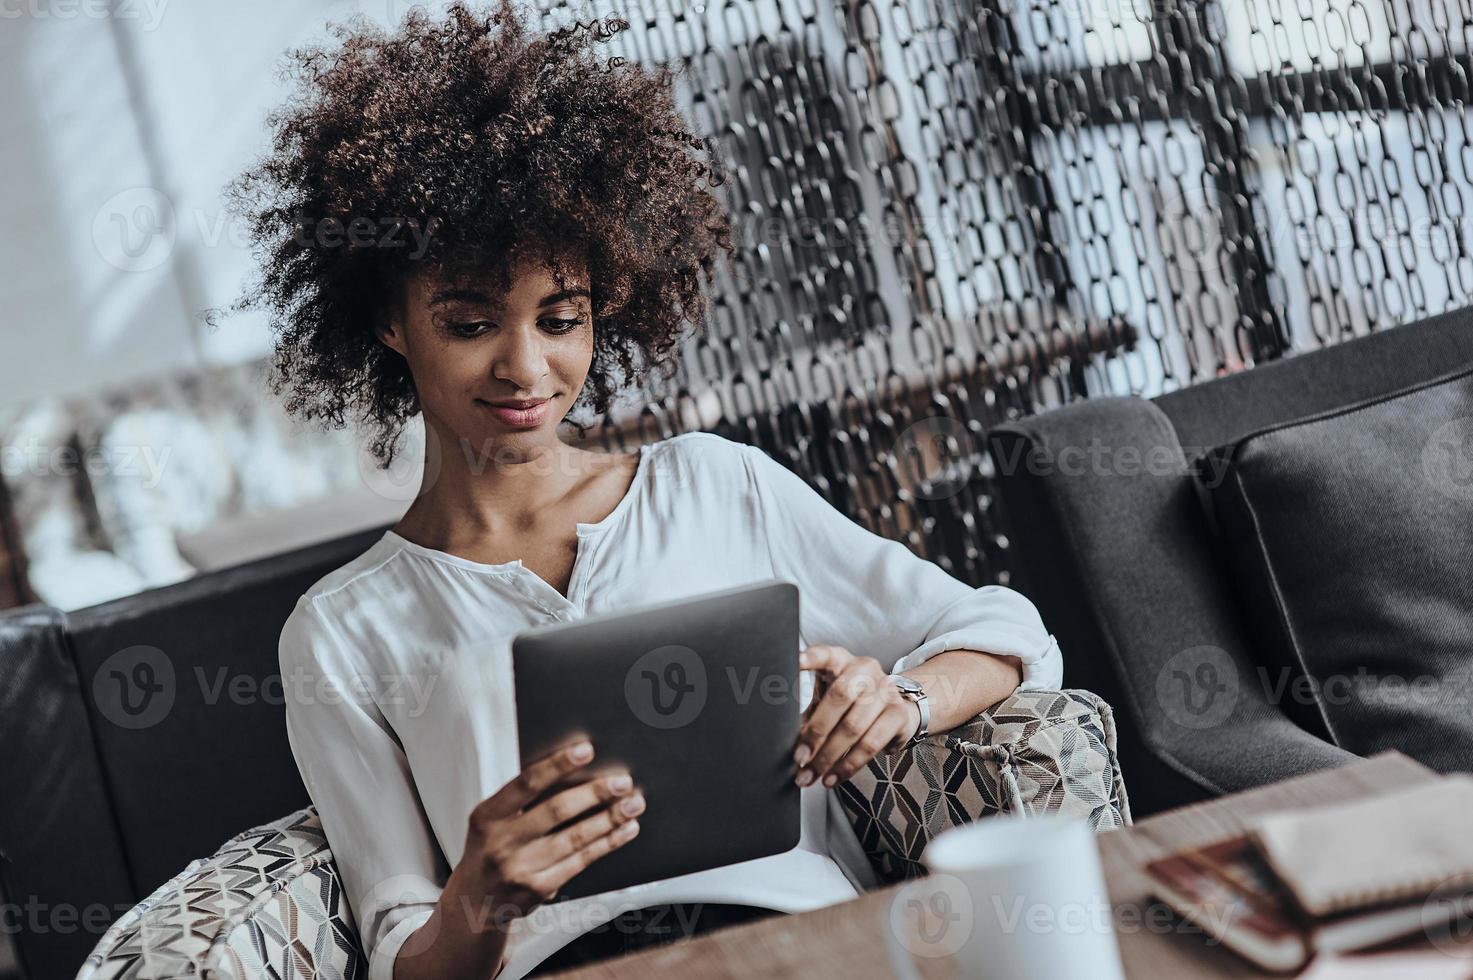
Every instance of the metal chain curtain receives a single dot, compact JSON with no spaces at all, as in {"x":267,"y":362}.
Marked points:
{"x":953,"y":212}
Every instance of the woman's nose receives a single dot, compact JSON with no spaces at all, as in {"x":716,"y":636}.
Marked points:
{"x":521,"y":359}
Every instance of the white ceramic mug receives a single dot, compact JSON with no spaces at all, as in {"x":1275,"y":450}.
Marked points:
{"x":1008,"y":898}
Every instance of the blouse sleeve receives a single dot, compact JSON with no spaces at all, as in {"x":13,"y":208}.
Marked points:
{"x":359,"y":779}
{"x":876,"y":598}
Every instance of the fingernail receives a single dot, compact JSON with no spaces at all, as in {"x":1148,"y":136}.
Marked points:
{"x":802,"y":756}
{"x":631,"y":806}
{"x":582,"y":752}
{"x":629,"y":829}
{"x":830,"y":780}
{"x":620,"y":784}
{"x":805,"y":776}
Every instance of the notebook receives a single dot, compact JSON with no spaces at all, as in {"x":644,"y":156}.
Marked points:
{"x":1229,"y":891}
{"x":1393,"y":847}
{"x":1329,"y":879}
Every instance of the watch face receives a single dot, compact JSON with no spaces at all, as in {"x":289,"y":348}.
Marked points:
{"x":907,"y":685}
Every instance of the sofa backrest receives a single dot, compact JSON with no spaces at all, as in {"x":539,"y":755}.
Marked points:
{"x":1113,"y":545}
{"x":137,"y":735}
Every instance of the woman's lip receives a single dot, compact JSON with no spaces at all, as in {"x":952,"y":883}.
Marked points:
{"x":520,"y":417}
{"x":531,"y":403}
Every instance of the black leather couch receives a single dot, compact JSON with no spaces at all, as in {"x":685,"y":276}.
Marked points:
{"x":122,"y":729}
{"x":1166,"y":581}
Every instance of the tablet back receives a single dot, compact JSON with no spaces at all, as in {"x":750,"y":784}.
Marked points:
{"x":698,"y":699}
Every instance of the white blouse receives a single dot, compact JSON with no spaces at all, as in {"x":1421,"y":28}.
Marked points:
{"x":397,"y":671}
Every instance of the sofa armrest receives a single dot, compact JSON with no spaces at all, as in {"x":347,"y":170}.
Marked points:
{"x":267,"y":903}
{"x":1033,"y":752}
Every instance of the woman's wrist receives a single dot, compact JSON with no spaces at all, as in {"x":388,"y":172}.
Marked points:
{"x":961,"y":684}
{"x":465,"y":936}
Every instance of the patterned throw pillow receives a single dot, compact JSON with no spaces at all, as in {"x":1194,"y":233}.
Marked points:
{"x":268,"y":903}
{"x":1035,"y":752}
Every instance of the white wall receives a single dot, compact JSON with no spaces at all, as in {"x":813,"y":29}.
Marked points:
{"x":122,"y":122}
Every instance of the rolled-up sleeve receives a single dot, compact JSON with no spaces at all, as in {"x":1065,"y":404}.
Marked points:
{"x":359,"y":780}
{"x":876,"y":598}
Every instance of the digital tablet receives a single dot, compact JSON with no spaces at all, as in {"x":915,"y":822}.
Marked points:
{"x":698,"y":699}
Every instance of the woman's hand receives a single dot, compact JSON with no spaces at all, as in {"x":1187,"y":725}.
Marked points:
{"x":522,"y":844}
{"x":518,"y":852}
{"x":857,"y":712}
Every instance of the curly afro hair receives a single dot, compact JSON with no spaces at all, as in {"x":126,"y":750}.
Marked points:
{"x":455,"y":147}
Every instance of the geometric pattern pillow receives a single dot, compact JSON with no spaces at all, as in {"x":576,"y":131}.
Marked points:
{"x":268,"y":903}
{"x":1034,"y":752}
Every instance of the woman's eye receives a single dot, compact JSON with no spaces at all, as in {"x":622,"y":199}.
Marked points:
{"x":474,"y":328}
{"x":469,"y":329}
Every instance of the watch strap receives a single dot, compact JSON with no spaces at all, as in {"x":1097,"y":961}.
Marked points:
{"x":924,"y":729}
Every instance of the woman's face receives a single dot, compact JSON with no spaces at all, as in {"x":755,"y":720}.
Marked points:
{"x":467,"y":350}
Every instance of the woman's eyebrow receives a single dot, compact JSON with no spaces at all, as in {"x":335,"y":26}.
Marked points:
{"x":563,"y":294}
{"x":476,"y":296}
{"x":459,"y":295}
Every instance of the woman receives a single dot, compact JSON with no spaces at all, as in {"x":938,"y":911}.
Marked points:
{"x":487,"y":227}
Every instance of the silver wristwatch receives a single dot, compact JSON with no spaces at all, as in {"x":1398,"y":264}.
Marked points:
{"x":913,"y":692}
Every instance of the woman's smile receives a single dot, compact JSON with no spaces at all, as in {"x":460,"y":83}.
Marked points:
{"x":520,"y":418}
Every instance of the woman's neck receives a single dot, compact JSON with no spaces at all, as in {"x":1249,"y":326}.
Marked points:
{"x":469,"y":495}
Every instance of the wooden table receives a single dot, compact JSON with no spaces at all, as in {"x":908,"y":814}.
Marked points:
{"x":847,"y":941}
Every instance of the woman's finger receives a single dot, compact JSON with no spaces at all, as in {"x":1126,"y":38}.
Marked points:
{"x":553,"y":848}
{"x":561,"y":872}
{"x":859,"y":680}
{"x":842,"y":739}
{"x":534,"y":779}
{"x":563,"y":806}
{"x":895,"y":722}
{"x":824,"y":658}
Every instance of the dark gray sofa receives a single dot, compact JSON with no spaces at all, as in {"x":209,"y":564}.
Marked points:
{"x":97,"y":812}
{"x":1117,"y":544}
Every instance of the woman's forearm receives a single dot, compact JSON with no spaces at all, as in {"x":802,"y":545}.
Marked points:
{"x":961,"y":684}
{"x":463,"y":939}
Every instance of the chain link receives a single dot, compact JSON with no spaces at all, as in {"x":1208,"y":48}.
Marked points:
{"x":952,"y":213}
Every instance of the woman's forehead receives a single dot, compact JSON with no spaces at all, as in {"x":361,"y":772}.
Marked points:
{"x":523,"y":278}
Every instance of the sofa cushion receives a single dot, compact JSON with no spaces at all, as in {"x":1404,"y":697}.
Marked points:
{"x":1350,"y":534}
{"x":1034,"y":752}
{"x":267,"y":903}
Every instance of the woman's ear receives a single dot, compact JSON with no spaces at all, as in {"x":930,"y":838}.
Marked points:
{"x":390,"y":332}
{"x":388,"y":326}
